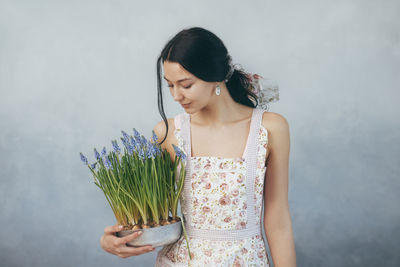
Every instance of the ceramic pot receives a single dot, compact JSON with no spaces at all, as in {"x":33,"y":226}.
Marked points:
{"x":155,"y":236}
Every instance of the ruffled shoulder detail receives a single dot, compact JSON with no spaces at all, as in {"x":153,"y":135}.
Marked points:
{"x":266,"y":90}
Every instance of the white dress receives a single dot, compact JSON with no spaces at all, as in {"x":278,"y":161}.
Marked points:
{"x":221,"y":204}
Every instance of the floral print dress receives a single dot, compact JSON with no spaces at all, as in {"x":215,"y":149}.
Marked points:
{"x":221,"y":204}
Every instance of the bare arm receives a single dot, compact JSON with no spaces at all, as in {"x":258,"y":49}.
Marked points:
{"x":277,"y":220}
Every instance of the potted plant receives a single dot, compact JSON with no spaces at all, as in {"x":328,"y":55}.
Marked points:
{"x":143,"y":186}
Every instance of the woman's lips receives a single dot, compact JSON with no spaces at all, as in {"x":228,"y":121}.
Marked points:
{"x":185,"y":106}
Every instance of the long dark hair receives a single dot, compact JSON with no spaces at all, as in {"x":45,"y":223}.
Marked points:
{"x":204,"y":55}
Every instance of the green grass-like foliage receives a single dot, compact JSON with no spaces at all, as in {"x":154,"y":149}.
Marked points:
{"x":142,"y":184}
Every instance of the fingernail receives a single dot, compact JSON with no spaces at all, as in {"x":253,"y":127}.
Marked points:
{"x":140,"y":232}
{"x":120,"y":227}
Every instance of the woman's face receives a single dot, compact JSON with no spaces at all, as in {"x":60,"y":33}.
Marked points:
{"x":186,"y":88}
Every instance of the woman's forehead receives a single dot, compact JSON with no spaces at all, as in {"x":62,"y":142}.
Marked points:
{"x":175,"y":72}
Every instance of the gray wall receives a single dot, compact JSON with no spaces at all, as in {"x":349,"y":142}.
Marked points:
{"x":75,"y":73}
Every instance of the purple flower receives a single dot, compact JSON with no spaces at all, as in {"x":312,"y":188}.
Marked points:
{"x":124,"y":142}
{"x":157,"y":149}
{"x":133,"y":142}
{"x":151,"y":151}
{"x":127,"y":146}
{"x":143,"y":141}
{"x":141,"y":154}
{"x":103,"y":152}
{"x":136,"y":133}
{"x":149,"y":154}
{"x":138,"y":142}
{"x":93,"y":166}
{"x":179,"y":152}
{"x":115,"y":146}
{"x":137,"y":138}
{"x":96,"y":154}
{"x":126,"y":136}
{"x":154,"y":136}
{"x":107,"y":162}
{"x":83,"y":158}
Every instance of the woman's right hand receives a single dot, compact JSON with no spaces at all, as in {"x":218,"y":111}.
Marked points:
{"x":117,"y":245}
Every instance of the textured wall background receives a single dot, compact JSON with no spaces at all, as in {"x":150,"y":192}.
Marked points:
{"x":75,"y":73}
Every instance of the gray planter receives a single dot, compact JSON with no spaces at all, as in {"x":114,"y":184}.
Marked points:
{"x":156,"y":236}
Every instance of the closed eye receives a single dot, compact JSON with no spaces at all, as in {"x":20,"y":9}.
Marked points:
{"x":183,"y":87}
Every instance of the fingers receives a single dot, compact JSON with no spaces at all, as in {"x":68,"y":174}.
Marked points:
{"x":117,"y":245}
{"x":130,"y":237}
{"x":126,"y":251}
{"x":134,"y":251}
{"x":112,"y":229}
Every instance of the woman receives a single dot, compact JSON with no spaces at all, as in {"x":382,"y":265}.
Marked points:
{"x":230,"y":145}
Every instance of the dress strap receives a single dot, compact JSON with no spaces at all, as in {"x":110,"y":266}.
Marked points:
{"x":251,"y":166}
{"x":179,"y":121}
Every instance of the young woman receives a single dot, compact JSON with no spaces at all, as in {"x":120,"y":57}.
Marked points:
{"x":237,"y":160}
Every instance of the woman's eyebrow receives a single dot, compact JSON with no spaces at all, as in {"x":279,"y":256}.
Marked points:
{"x":184,"y":79}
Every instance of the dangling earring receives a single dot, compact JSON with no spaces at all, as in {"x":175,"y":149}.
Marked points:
{"x":218,"y":90}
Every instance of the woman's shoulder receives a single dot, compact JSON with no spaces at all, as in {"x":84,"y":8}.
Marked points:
{"x":273,"y":119}
{"x":160,"y":130}
{"x":160,"y":126}
{"x":277,"y":127}
{"x":275,"y":123}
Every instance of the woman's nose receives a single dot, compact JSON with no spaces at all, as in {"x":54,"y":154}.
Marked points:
{"x":177,"y":94}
